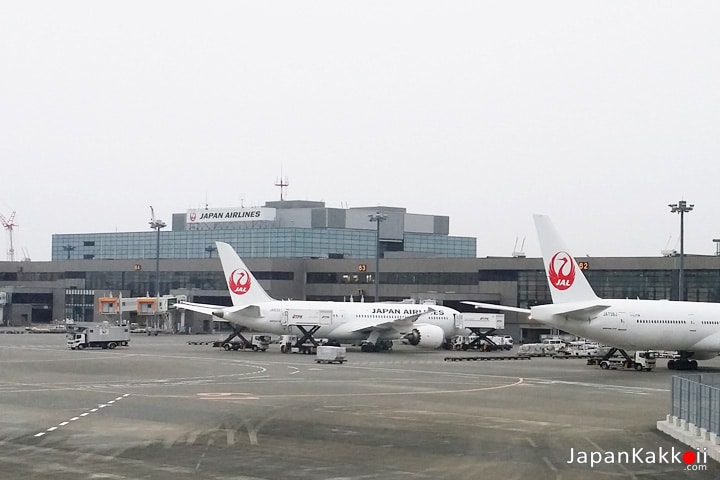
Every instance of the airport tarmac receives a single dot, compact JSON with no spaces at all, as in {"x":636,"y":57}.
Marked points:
{"x":163,"y":409}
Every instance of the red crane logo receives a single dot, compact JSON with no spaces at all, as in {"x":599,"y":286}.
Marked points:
{"x":239,"y":281}
{"x":561,"y":271}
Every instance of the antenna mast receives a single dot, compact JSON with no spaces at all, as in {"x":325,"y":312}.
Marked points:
{"x":9,"y":225}
{"x":282,"y":183}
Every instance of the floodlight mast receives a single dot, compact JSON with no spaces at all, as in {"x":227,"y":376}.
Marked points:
{"x":377,"y":217}
{"x":156,"y":224}
{"x":682,"y":207}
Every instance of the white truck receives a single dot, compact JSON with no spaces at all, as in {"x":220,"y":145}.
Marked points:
{"x":641,"y":361}
{"x":257,"y":343}
{"x":97,"y":335}
{"x":289,"y":344}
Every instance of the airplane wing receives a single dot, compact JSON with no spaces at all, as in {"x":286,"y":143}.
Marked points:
{"x":243,"y":310}
{"x":582,"y":311}
{"x":492,"y":306}
{"x":199,"y":307}
{"x":576,"y":309}
{"x":401,"y":325}
{"x":219,"y":312}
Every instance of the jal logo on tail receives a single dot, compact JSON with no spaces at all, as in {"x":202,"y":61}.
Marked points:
{"x":561,"y":271}
{"x":239,"y":281}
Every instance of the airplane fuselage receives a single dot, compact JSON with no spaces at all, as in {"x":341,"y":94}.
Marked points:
{"x":342,"y":320}
{"x":643,"y":324}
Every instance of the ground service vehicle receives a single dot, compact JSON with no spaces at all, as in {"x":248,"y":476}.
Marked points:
{"x":329,"y":354}
{"x":256,"y":343}
{"x":548,"y":347}
{"x":292,"y":344}
{"x":643,"y":360}
{"x":97,"y":335}
{"x":579,"y":349}
{"x":487,"y":343}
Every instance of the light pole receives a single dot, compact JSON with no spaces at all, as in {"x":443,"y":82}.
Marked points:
{"x":682,"y":208}
{"x":157,"y":224}
{"x":377,"y":217}
{"x":210,"y":249}
{"x":68,"y":249}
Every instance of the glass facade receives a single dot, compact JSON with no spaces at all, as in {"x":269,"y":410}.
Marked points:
{"x":700,"y":285}
{"x":441,"y":245}
{"x":642,"y":284}
{"x":142,"y":283}
{"x":249,"y":243}
{"x":79,"y":305}
{"x":396,"y":278}
{"x":532,"y":288}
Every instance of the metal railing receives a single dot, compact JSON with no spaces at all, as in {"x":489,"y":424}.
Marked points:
{"x":696,"y":399}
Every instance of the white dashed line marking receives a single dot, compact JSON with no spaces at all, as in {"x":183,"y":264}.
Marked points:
{"x":84,"y":414}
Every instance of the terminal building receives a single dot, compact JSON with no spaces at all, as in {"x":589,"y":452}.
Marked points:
{"x":282,"y":229}
{"x":305,"y":250}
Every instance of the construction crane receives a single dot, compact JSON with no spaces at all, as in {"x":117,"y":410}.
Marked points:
{"x":9,"y":225}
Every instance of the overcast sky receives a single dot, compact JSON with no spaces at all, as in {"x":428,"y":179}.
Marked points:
{"x":598,"y":114}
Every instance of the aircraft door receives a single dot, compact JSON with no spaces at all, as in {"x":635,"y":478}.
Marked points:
{"x":284,"y":318}
{"x":622,"y":321}
{"x":691,"y":322}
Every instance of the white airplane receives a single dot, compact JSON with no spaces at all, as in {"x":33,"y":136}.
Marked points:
{"x":372,"y":325}
{"x":690,"y":328}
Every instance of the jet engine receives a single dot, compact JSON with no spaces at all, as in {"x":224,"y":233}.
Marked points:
{"x":427,"y":336}
{"x":703,"y":355}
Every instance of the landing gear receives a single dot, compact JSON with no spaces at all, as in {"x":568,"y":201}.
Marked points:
{"x":384,"y":345}
{"x":682,"y":363}
{"x":379,"y":346}
{"x":375,"y":344}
